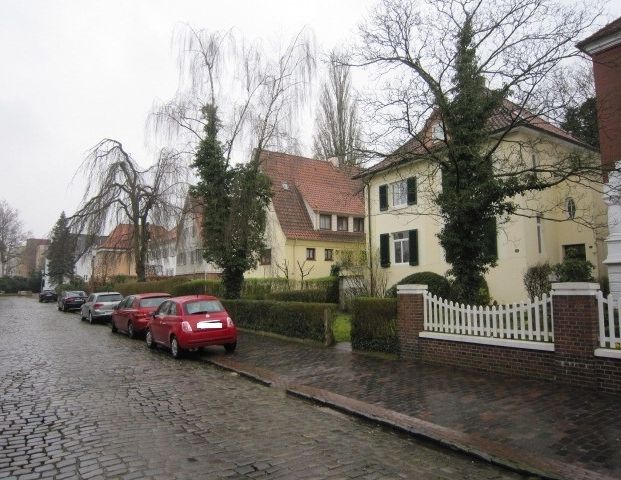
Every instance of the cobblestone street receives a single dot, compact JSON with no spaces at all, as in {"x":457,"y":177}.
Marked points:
{"x":80,"y":402}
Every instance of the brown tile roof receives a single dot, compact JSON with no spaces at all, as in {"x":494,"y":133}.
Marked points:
{"x":612,"y":28}
{"x":509,"y":115}
{"x":324,"y":187}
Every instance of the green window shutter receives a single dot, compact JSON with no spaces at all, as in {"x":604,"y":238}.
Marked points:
{"x":383,"y":197}
{"x":413,"y":241}
{"x":412,"y":191}
{"x":385,"y":250}
{"x":492,"y":238}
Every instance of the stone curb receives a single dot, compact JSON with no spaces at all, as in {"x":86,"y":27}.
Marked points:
{"x":470,"y":444}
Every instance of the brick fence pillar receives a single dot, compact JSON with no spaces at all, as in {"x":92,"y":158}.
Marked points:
{"x":575,"y":314}
{"x":410,"y":318}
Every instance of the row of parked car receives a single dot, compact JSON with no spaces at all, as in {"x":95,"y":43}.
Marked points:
{"x":180,"y":324}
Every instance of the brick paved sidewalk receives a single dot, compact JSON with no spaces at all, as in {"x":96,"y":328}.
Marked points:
{"x":557,"y":431}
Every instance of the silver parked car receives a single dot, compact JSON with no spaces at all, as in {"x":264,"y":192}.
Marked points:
{"x":99,"y":306}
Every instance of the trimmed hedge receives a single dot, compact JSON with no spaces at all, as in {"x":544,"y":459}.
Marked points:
{"x":330,"y":285}
{"x":199,"y":287}
{"x":308,"y":296}
{"x":320,"y":290}
{"x":291,"y":319}
{"x":130,"y":288}
{"x":374,"y":325}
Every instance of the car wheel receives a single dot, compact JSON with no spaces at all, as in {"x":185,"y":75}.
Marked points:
{"x":148,"y":337}
{"x":90,"y":317}
{"x":230,"y":347}
{"x":175,"y":350}
{"x":65,"y":309}
{"x":113,"y":326}
{"x":58,"y":306}
{"x":131,"y":333}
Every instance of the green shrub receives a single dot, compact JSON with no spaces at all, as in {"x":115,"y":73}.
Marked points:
{"x":291,"y":319}
{"x":307,"y":296}
{"x":537,"y":280}
{"x":130,"y":288}
{"x":260,"y":288}
{"x":436,"y":284}
{"x":574,"y":270}
{"x":330,"y":285}
{"x":199,"y":287}
{"x":14,"y":284}
{"x":374,"y":325}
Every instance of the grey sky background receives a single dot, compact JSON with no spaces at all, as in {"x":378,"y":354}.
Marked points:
{"x":76,"y":71}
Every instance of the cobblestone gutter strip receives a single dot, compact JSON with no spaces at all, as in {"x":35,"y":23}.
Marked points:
{"x":485,"y":449}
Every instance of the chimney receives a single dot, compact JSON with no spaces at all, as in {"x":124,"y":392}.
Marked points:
{"x":334,"y":161}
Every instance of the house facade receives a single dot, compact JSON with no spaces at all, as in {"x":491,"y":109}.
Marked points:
{"x":403,"y":220}
{"x":316,"y":216}
{"x":189,"y":242}
{"x":604,"y":47}
{"x":162,"y":254}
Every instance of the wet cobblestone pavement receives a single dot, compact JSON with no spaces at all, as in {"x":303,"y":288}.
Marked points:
{"x":554,"y":426}
{"x":77,"y":401}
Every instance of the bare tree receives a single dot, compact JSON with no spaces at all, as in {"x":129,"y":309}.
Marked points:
{"x":119,"y":191}
{"x":462,"y":77}
{"x":337,"y":129}
{"x":256,"y":98}
{"x":257,"y":95}
{"x":12,"y":235}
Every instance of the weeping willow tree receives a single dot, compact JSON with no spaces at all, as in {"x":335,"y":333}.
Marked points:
{"x":118,"y":191}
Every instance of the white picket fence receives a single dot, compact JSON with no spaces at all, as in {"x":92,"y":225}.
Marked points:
{"x":530,"y":321}
{"x":609,"y":321}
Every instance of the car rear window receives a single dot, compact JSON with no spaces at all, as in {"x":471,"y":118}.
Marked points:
{"x":203,"y":306}
{"x":72,"y":294}
{"x":152,"y":301}
{"x":110,"y":298}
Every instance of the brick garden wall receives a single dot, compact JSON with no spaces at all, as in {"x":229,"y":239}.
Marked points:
{"x":572,"y":362}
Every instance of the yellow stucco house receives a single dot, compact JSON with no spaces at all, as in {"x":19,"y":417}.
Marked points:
{"x":403,"y":222}
{"x":316,"y":214}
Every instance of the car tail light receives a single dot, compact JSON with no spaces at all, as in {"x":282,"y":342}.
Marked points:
{"x":186,"y":327}
{"x":97,"y":306}
{"x":229,"y":322}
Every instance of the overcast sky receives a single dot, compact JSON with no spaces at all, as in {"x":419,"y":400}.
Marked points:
{"x":77,"y":71}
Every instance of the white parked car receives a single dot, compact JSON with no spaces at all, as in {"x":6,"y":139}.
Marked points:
{"x":99,"y":306}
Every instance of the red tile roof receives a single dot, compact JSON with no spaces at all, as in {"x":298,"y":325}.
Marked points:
{"x":297,"y":181}
{"x":509,"y":115}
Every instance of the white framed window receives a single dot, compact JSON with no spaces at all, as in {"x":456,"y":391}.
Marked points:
{"x":570,"y":206}
{"x":437,"y":132}
{"x":358,"y":224}
{"x":325,"y":222}
{"x":342,"y":224}
{"x":401,"y":244}
{"x":399,"y":193}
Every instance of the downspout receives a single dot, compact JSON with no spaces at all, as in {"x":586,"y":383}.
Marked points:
{"x":367,"y":185}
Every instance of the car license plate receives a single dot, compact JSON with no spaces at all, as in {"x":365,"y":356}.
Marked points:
{"x":205,"y":325}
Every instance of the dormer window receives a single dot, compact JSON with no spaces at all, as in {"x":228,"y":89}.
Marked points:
{"x":325,"y":222}
{"x":437,"y":132}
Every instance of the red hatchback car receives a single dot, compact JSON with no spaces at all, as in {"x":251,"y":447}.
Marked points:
{"x":133,"y":312}
{"x":190,"y":323}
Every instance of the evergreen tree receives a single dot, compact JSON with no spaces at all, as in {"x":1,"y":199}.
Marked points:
{"x":234,"y":203}
{"x":61,"y":252}
{"x":582,"y":122}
